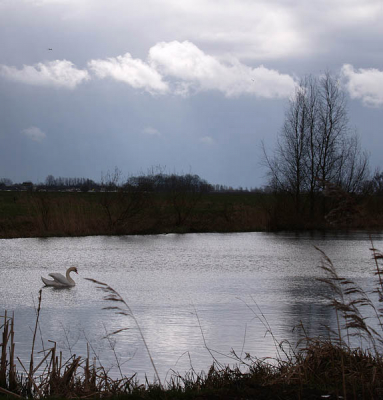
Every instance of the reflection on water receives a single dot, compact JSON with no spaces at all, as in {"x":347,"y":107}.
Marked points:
{"x":178,"y":285}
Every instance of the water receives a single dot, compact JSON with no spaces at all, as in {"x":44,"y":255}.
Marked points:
{"x":186,"y":291}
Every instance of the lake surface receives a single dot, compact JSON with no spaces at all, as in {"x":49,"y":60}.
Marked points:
{"x":182,"y":289}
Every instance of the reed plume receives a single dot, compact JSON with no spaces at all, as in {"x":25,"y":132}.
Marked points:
{"x":123,"y":308}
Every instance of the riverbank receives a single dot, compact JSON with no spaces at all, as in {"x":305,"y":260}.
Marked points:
{"x":324,"y":371}
{"x":44,"y":214}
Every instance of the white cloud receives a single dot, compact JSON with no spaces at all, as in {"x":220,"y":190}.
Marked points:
{"x":131,"y":71}
{"x":149,"y":130}
{"x":34,"y":133}
{"x":365,"y":84}
{"x":54,"y":73}
{"x":182,"y":68}
{"x":194,"y":70}
{"x":174,"y":67}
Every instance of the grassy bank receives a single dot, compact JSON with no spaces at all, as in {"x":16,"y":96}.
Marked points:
{"x":314,"y":368}
{"x":39,"y":214}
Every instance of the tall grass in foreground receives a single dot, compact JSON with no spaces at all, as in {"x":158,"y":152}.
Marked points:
{"x":319,"y":367}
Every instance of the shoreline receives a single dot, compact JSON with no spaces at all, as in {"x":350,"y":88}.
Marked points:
{"x":296,"y":231}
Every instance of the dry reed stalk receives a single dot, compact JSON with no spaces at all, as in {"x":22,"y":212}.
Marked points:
{"x":347,"y":300}
{"x":87,"y":371}
{"x":210,"y":351}
{"x":260,"y":316}
{"x":376,"y":256}
{"x":9,"y":393}
{"x":7,"y":379}
{"x":31,"y":382}
{"x":3,"y":360}
{"x":53,"y":362}
{"x":114,"y":296}
{"x":31,"y":370}
{"x":12,"y":366}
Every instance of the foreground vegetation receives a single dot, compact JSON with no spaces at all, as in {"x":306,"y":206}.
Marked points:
{"x":323,"y":367}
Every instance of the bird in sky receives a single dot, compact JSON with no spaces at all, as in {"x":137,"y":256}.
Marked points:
{"x":50,"y":49}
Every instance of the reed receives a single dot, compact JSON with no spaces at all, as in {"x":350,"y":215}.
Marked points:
{"x":8,"y":380}
{"x":53,"y":376}
{"x":123,"y":308}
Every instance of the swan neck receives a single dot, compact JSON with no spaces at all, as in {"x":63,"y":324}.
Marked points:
{"x":70,"y":280}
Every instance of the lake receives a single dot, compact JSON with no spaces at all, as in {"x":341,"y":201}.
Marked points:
{"x":186,"y":291}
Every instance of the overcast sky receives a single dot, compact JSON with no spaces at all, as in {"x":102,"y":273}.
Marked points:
{"x":188,"y":85}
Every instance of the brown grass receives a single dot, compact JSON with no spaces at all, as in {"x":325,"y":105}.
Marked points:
{"x":40,"y":214}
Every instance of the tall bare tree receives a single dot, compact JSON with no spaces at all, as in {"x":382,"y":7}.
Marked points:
{"x":332,"y":129}
{"x":314,"y":145}
{"x":292,"y":147}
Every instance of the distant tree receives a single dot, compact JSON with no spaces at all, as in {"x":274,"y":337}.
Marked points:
{"x":111,"y":179}
{"x":375,"y":185}
{"x":50,"y":180}
{"x":353,"y":166}
{"x":87,"y":184}
{"x":315,"y":145}
{"x":184,"y":194}
{"x":83,"y":184}
{"x":5,"y":182}
{"x":119,"y":202}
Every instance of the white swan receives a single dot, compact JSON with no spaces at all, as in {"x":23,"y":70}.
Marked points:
{"x":59,"y":280}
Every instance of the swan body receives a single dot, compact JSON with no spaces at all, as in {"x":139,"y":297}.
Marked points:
{"x":59,"y":280}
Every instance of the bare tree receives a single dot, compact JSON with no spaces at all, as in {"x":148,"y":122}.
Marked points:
{"x":377,"y":182}
{"x":315,"y":145}
{"x":354,"y":169}
{"x":185,"y":191}
{"x":50,"y":180}
{"x":119,"y":202}
{"x":292,"y":147}
{"x":331,"y":130}
{"x":293,"y":168}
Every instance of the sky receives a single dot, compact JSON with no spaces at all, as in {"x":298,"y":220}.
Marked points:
{"x":178,"y":86}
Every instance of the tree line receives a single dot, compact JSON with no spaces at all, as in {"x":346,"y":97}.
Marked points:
{"x":154,"y":182}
